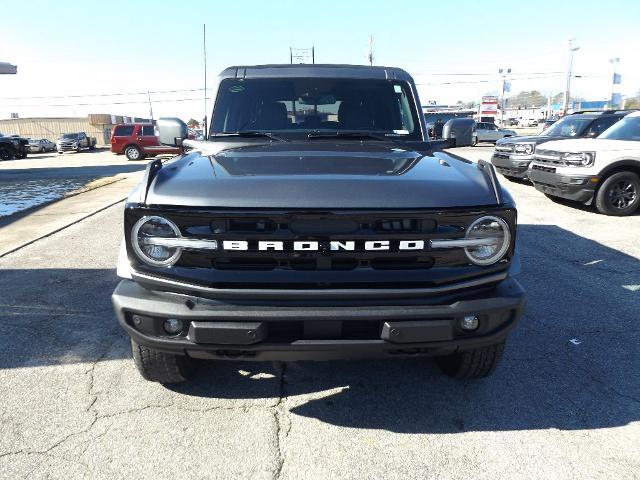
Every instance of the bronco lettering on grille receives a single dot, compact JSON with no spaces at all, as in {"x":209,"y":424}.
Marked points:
{"x":314,"y":245}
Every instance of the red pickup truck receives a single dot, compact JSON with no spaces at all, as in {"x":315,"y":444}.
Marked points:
{"x":137,"y":141}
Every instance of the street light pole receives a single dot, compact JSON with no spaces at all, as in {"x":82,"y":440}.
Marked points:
{"x":567,"y":91}
{"x":503,"y":73}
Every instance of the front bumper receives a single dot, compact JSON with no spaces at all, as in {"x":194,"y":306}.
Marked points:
{"x":294,"y":331}
{"x":67,"y":147}
{"x":511,"y":165}
{"x":579,"y":188}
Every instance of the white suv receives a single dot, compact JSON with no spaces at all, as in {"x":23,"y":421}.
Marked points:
{"x":603,"y":170}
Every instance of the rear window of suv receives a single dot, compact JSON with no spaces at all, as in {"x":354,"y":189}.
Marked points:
{"x":123,"y":131}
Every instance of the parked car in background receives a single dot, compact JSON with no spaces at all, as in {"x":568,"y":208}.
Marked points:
{"x":13,"y":147}
{"x":604,"y":170}
{"x":74,"y":142}
{"x":41,"y":145}
{"x":548,"y":122}
{"x":527,"y":122}
{"x":137,"y":141}
{"x":511,"y":122}
{"x":489,"y":132}
{"x":512,"y":156}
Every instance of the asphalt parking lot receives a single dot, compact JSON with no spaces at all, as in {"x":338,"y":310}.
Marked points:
{"x":564,"y":403}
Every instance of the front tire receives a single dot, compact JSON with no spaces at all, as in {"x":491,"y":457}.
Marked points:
{"x":133,"y":153}
{"x":5,"y":154}
{"x":161,"y":367}
{"x":619,"y":194}
{"x":476,"y":363}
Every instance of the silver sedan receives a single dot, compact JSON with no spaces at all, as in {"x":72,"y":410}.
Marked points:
{"x":489,"y":132}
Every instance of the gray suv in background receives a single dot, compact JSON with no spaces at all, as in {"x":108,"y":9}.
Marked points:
{"x":513,"y":155}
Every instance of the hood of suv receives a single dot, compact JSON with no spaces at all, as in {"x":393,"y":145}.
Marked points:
{"x":535,"y":139}
{"x":592,"y":145}
{"x":321,"y":174}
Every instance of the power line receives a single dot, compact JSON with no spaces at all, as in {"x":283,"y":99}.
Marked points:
{"x":91,"y":104}
{"x":116,"y":94}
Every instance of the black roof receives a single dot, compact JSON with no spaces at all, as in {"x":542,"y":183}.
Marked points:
{"x":595,"y":113}
{"x":315,"y":70}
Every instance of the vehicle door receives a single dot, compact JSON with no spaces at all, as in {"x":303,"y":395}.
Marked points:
{"x":482,"y":132}
{"x":146,"y":137}
{"x":491,"y":132}
{"x":82,"y":140}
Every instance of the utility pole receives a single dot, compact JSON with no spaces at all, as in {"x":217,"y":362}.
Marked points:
{"x":150,"y":106}
{"x":370,"y":56}
{"x":567,"y":91}
{"x":615,"y":81}
{"x":204,"y":52}
{"x":503,"y":73}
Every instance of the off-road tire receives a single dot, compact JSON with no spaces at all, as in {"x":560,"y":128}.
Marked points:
{"x":161,"y":367}
{"x":476,"y":363}
{"x":5,"y":154}
{"x":604,"y":195}
{"x":133,"y":153}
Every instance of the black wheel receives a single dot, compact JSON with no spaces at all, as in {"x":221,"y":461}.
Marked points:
{"x":474,"y":141}
{"x":619,"y":194}
{"x":161,"y":367}
{"x":476,"y":363}
{"x":92,"y":147}
{"x":20,"y":156}
{"x":133,"y":153}
{"x":5,"y":154}
{"x":60,"y":153}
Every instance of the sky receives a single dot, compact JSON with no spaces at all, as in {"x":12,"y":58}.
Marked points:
{"x":102,"y":57}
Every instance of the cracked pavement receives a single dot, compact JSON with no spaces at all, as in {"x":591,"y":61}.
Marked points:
{"x":73,"y":406}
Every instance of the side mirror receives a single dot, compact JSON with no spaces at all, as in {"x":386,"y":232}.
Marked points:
{"x":171,"y":131}
{"x":459,"y":131}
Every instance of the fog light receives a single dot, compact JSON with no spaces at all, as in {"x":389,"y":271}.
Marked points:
{"x":172,"y":326}
{"x":469,"y":323}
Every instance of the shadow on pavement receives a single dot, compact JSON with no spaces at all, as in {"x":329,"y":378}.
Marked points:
{"x":89,"y":171}
{"x":573,"y":362}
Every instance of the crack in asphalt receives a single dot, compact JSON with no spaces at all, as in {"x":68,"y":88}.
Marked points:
{"x":283,"y":425}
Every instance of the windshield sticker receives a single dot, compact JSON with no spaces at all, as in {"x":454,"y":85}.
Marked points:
{"x":236,"y":88}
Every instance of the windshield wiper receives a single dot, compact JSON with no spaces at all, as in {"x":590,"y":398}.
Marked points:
{"x":355,"y":135}
{"x":251,"y":133}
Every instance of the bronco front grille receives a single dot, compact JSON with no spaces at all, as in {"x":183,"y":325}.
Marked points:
{"x":549,"y":157}
{"x":325,"y":266}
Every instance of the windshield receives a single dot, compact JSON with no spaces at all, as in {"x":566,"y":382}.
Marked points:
{"x":291,"y":106}
{"x":567,"y":127}
{"x":70,"y":135}
{"x":626,"y":129}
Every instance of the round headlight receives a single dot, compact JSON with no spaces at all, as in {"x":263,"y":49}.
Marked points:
{"x":146,"y":239}
{"x":494,"y":236}
{"x":523,"y":148}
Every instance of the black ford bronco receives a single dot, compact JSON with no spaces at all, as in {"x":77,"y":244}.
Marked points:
{"x":316,"y":222}
{"x":13,"y":147}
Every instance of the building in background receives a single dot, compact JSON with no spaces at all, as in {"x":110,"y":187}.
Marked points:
{"x":96,"y":125}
